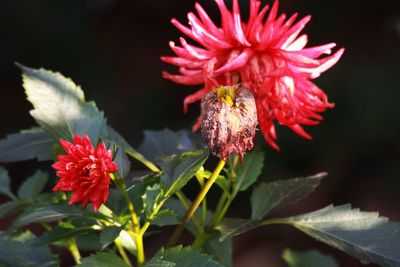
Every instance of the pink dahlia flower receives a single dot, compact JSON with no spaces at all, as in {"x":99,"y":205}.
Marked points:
{"x":85,"y":171}
{"x":268,"y":56}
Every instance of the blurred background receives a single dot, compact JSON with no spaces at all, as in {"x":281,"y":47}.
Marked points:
{"x":112,"y":49}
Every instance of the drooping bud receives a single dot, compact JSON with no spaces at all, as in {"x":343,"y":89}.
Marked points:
{"x":229,"y":120}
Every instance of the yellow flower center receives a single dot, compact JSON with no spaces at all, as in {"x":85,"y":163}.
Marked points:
{"x":226,"y":94}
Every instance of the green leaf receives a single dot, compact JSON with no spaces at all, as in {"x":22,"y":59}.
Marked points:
{"x":103,"y":259}
{"x":182,"y":257}
{"x":158,"y":144}
{"x":166,"y":217}
{"x":310,"y":258}
{"x":181,"y":169}
{"x":364,"y":235}
{"x":124,"y":165}
{"x":151,"y":197}
{"x":60,"y":107}
{"x":18,"y":251}
{"x":12,"y":207}
{"x":33,"y":186}
{"x":88,"y":242}
{"x":5,"y":184}
{"x":230,"y":227}
{"x":221,"y":250}
{"x":268,"y":196}
{"x":138,"y":189}
{"x":48,"y":213}
{"x":26,"y":145}
{"x":60,"y":233}
{"x":248,"y":172}
{"x":108,"y":235}
{"x":159,"y":263}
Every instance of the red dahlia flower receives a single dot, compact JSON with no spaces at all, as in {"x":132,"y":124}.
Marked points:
{"x":266,"y":55}
{"x":85,"y":171}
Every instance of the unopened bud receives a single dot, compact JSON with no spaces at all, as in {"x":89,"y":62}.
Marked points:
{"x":229,"y":120}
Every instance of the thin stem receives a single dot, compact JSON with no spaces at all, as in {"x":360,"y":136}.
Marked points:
{"x":226,"y":199}
{"x":151,"y":217}
{"x":178,"y":231}
{"x":122,"y":252}
{"x":135,"y":221}
{"x":139,"y":157}
{"x":73,"y":248}
{"x":200,"y":240}
{"x":186,"y":204}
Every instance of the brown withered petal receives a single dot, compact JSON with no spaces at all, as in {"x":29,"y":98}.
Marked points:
{"x":229,"y":127}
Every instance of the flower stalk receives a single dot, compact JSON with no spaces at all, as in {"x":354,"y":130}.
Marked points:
{"x":196,"y":203}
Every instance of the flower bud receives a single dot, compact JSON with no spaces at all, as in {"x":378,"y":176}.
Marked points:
{"x":229,"y":120}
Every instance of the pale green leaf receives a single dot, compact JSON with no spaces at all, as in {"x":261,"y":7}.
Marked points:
{"x":33,"y":186}
{"x":310,"y":258}
{"x":60,"y":107}
{"x":26,"y":145}
{"x":269,"y":196}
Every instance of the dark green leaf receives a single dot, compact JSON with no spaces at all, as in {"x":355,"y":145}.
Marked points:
{"x":183,"y":257}
{"x":165,"y":217}
{"x":33,"y":186}
{"x":25,"y":145}
{"x":108,"y":235}
{"x":88,"y":242}
{"x":48,"y":213}
{"x":158,"y":144}
{"x":138,"y":189}
{"x":159,"y":263}
{"x":268,"y":196}
{"x":12,"y":207}
{"x":311,"y":258}
{"x":124,"y":165}
{"x":103,"y":259}
{"x":221,"y":250}
{"x":60,"y":107}
{"x":181,"y":169}
{"x":5,"y":184}
{"x":18,"y":251}
{"x":364,"y":235}
{"x":61,"y":233}
{"x":248,"y":172}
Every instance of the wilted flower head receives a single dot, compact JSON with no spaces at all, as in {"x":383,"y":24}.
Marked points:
{"x":85,"y":171}
{"x":268,"y":56}
{"x":229,"y":120}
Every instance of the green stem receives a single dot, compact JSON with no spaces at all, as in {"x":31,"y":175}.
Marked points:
{"x":200,"y":240}
{"x":186,"y":204}
{"x":139,"y":157}
{"x":122,"y":252}
{"x":73,"y":248}
{"x":226,"y":199}
{"x":151,"y":217}
{"x":135,"y":221}
{"x":203,"y":192}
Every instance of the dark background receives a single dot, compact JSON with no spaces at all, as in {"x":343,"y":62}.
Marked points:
{"x":112,"y":48}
